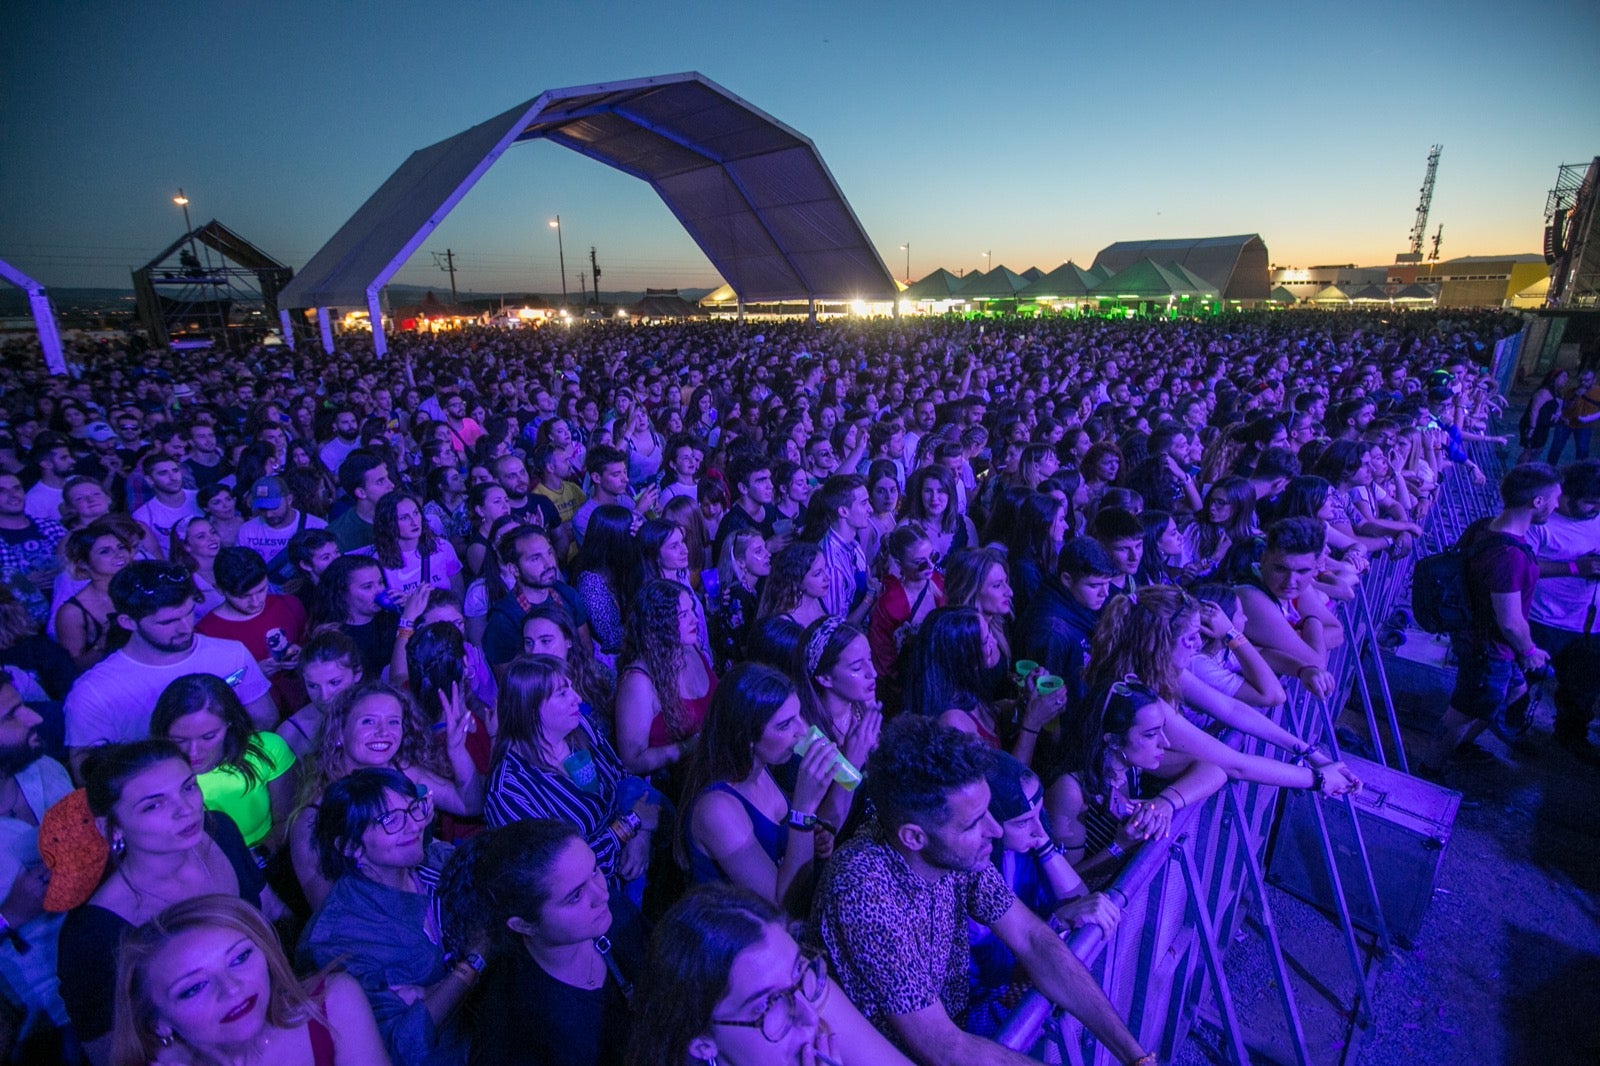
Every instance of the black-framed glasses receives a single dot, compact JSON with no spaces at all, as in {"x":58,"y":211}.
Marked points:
{"x":774,"y":1023}
{"x":419,"y":811}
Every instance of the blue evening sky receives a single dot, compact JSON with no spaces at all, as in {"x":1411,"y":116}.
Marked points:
{"x":1035,"y":131}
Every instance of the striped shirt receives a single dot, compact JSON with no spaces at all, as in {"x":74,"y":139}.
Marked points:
{"x":847,"y":573}
{"x":518,"y":789}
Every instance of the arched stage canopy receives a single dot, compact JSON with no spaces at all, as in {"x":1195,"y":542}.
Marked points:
{"x":754,"y":194}
{"x":44,"y":316}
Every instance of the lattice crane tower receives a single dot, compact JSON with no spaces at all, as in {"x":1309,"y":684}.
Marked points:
{"x":1419,"y":230}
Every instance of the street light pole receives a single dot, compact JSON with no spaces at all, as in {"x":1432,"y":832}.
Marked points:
{"x":906,"y":248}
{"x":562,"y":252}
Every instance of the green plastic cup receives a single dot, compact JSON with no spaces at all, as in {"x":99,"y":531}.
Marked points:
{"x":1025,"y":667}
{"x":1048,"y":684}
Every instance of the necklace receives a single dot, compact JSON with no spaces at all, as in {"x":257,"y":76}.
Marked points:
{"x":122,"y":871}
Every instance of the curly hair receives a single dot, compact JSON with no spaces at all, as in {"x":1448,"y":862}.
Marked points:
{"x":1137,"y":635}
{"x":325,"y":764}
{"x":650,"y":645}
{"x":916,"y":765}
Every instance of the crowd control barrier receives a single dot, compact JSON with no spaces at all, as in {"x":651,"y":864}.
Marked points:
{"x":1183,"y":899}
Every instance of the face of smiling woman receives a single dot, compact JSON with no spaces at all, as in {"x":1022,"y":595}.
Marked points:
{"x":210,"y":988}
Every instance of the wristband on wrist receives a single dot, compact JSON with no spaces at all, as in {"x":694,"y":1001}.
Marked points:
{"x":1025,"y":729}
{"x":1114,"y":849}
{"x":1317,"y":779}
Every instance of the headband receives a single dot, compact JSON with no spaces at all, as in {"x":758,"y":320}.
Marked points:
{"x":818,"y":641}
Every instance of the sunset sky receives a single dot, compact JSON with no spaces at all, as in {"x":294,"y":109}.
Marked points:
{"x":1036,"y":132}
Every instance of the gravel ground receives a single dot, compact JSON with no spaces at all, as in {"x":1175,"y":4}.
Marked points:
{"x":1506,"y":968}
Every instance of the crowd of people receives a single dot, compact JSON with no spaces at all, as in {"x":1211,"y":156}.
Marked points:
{"x":724,"y":693}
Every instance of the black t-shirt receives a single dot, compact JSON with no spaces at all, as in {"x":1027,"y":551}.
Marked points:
{"x":537,"y":510}
{"x":206,"y":476}
{"x":376,"y":641}
{"x":525,"y":1016}
{"x":736,"y":519}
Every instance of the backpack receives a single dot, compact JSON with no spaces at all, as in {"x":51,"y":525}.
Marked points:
{"x":1440,"y":602}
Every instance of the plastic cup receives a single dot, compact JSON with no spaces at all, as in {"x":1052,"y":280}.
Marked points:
{"x":1049,"y":684}
{"x":1025,"y":667}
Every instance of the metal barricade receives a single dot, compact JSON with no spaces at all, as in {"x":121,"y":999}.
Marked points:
{"x":1184,"y":899}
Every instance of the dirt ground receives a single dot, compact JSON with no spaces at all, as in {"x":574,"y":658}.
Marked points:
{"x":1506,"y":967}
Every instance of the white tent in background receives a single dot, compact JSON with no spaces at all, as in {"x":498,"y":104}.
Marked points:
{"x":44,"y":316}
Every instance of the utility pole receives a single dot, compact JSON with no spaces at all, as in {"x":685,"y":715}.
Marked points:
{"x":448,"y":265}
{"x":594,"y":272}
{"x":583,"y":285}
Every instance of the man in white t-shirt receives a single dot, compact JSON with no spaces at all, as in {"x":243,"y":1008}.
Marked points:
{"x":113,"y":701}
{"x":171,"y":502}
{"x":1562,"y":616}
{"x":273,"y":520}
{"x":55,"y":466}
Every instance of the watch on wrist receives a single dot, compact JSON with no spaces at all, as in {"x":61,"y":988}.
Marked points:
{"x":633,"y":821}
{"x":806,"y":823}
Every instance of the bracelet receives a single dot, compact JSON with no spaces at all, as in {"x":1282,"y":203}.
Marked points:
{"x":1114,"y":849}
{"x":1317,"y":779}
{"x":1234,"y":638}
{"x":620,"y":830}
{"x":1025,"y":729}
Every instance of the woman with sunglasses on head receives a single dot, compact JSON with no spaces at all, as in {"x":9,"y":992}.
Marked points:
{"x":1153,"y":637}
{"x":908,"y":597}
{"x":564,"y":950}
{"x":725,"y":982}
{"x":205,"y":981}
{"x":380,"y":918}
{"x":154,"y":844}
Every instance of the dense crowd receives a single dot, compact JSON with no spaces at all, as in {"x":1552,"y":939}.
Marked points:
{"x":747,"y":694}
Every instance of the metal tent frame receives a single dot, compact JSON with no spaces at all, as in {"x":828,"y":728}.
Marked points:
{"x":753,"y":193}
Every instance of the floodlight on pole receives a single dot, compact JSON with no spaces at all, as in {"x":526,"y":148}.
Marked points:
{"x":988,"y":261}
{"x":188,"y":230}
{"x":561,"y":251}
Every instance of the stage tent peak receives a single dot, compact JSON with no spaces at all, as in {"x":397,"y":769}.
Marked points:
{"x":754,"y":194}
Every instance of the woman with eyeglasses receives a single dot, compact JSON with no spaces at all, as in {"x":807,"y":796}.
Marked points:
{"x":724,"y":982}
{"x":158,"y":846}
{"x":380,"y":918}
{"x":374,"y":725}
{"x":564,"y":949}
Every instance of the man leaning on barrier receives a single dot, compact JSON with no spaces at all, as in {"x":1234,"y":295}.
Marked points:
{"x":893,"y":907}
{"x":1286,"y":616}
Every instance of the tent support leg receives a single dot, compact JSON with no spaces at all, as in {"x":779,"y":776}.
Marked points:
{"x":325,"y":324}
{"x":812,"y":304}
{"x":288,"y":327}
{"x":380,"y":340}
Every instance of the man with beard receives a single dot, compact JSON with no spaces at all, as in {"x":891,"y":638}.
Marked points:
{"x":154,"y":603}
{"x":346,"y":438}
{"x":1497,"y":649}
{"x":30,"y":784}
{"x":893,"y":908}
{"x":529,"y":553}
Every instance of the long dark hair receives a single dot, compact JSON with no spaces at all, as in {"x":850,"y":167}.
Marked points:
{"x":609,"y":550}
{"x":747,"y":698}
{"x":686,"y":972}
{"x":529,"y":683}
{"x":594,"y":682}
{"x":947,"y":662}
{"x":650,"y":643}
{"x":498,"y":875}
{"x":386,"y":531}
{"x":435,"y":660}
{"x":333,"y":589}
{"x":242,"y":750}
{"x":1152,"y":564}
{"x":1030,"y":533}
{"x":1109,"y":710}
{"x":781,"y":592}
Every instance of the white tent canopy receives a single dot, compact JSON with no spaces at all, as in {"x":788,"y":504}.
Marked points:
{"x":44,"y":316}
{"x":754,"y":194}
